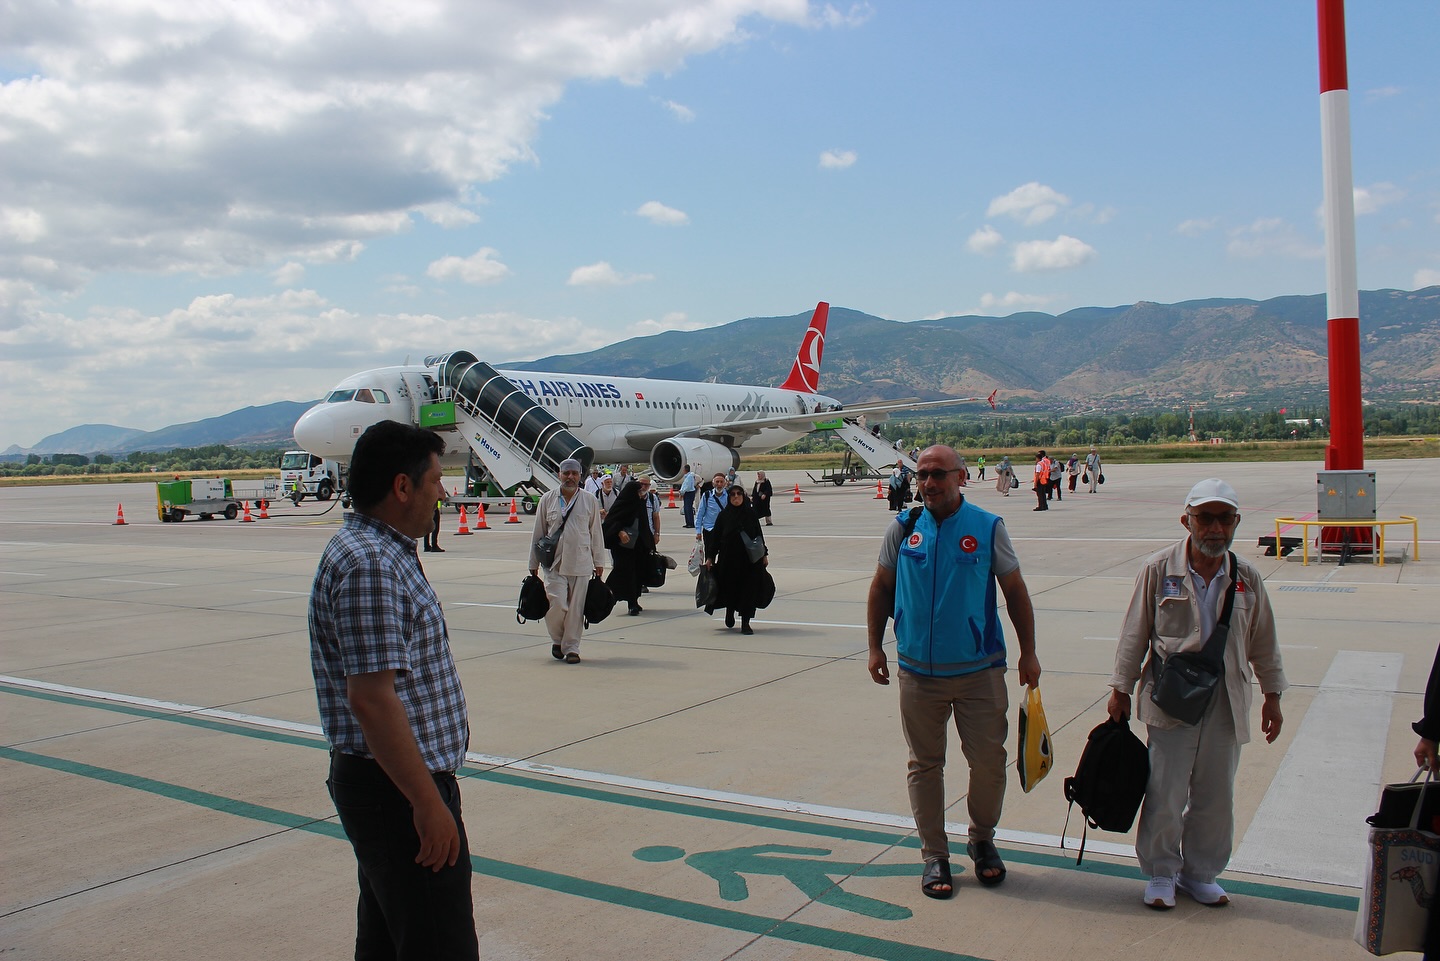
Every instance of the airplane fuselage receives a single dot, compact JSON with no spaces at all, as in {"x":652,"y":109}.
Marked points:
{"x":617,"y":417}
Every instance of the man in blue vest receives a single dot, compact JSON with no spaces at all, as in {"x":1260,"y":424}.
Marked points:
{"x":936,"y":577}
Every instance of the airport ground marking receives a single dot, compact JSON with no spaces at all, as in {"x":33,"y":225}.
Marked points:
{"x":535,"y":776}
{"x":777,"y":928}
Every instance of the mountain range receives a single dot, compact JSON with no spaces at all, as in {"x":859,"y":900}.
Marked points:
{"x":1216,"y":352}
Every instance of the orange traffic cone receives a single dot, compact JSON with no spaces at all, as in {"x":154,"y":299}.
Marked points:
{"x":119,"y":515}
{"x":796,"y":499}
{"x":264,"y":510}
{"x":246,"y":518}
{"x":671,"y":506}
{"x":879,"y":494}
{"x":462,"y":529}
{"x":514,"y":517}
{"x":480,"y":524}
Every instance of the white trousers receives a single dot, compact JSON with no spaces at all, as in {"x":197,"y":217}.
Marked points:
{"x":1187,"y":823}
{"x":566,"y":617}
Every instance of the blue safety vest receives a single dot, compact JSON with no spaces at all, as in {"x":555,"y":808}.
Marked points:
{"x":947,"y":622}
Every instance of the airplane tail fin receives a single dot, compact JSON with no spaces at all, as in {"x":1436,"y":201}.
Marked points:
{"x":805,"y":372}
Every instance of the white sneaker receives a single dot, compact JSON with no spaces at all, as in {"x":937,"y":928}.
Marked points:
{"x":1160,"y":893}
{"x":1206,"y":893}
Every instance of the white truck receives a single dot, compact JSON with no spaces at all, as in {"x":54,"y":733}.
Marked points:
{"x":303,"y":473}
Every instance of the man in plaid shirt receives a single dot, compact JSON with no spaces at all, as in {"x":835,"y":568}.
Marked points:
{"x":392,"y":707}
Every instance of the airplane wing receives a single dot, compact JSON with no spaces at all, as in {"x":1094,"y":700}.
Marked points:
{"x":747,"y":427}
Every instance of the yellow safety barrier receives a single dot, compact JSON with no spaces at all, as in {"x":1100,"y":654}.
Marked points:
{"x":1377,"y":527}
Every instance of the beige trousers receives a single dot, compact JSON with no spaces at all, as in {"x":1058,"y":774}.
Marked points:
{"x":978,"y":702}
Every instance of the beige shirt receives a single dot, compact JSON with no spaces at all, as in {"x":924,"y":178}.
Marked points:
{"x":1165,"y":614}
{"x":582,"y":544}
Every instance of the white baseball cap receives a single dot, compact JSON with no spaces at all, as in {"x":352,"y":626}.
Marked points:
{"x":1210,"y":490}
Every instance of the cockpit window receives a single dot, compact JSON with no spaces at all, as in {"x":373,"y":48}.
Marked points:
{"x":364,"y":396}
{"x":381,"y":397}
{"x":340,"y":396}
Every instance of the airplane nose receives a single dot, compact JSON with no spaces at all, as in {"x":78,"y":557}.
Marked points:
{"x":314,"y":432}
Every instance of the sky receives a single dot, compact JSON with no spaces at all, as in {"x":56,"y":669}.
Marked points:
{"x":211,"y":204}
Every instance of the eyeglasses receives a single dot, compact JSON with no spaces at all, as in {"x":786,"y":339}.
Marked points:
{"x":1207,"y":519}
{"x":925,"y":475}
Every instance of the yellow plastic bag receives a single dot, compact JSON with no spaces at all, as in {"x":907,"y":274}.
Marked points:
{"x":1035,"y":759}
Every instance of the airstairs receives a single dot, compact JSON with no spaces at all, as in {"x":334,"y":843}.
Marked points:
{"x":875,"y":450}
{"x":514,"y":438}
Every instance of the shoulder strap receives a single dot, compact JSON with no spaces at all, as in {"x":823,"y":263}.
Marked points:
{"x":908,"y":523}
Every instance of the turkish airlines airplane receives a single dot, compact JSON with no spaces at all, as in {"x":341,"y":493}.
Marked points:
{"x":670,"y":423}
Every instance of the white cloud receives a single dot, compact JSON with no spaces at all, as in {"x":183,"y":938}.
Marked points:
{"x":1031,"y":204}
{"x":1370,"y":199}
{"x":23,"y":225}
{"x":1382,"y":93}
{"x":1426,"y":277}
{"x":679,"y":111}
{"x":1271,"y":237}
{"x":1062,"y":253}
{"x":657,"y":213}
{"x":858,"y":13}
{"x":1013,"y":301}
{"x":601,"y":274}
{"x":1196,"y":227}
{"x":837,"y":159}
{"x":214,"y":138}
{"x":986,"y":240}
{"x":448,"y":215}
{"x":480,"y":268}
{"x":289,"y":275}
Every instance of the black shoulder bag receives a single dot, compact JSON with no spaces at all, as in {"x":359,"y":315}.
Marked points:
{"x":1186,"y":681}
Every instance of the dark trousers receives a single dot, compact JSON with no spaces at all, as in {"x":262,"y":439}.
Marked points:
{"x":1040,"y":491}
{"x":406,"y":912}
{"x":689,"y":498}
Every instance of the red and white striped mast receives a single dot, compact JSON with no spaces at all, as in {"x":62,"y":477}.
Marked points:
{"x":1346,"y":450}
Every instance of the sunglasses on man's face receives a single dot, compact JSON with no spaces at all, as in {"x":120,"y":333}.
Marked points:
{"x":925,"y":475}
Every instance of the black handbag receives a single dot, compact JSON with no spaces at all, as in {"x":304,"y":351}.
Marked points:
{"x":754,"y":547}
{"x":764,"y":588}
{"x":1186,"y":681}
{"x":599,"y":601}
{"x":652,"y":572}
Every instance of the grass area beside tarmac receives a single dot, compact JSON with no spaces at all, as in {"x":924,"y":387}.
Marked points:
{"x":1379,"y":448}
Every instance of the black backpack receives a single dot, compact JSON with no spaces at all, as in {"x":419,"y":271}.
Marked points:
{"x":1110,"y":782}
{"x":534,"y":604}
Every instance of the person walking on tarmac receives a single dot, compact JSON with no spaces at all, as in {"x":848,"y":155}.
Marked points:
{"x":1042,"y":480}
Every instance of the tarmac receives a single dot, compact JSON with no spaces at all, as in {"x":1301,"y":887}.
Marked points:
{"x":685,"y":792}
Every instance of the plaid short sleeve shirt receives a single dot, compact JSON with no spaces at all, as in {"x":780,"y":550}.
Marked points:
{"x":372,"y":609}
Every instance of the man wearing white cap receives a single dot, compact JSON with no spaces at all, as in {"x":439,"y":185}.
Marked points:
{"x":580,"y":553}
{"x":1187,"y":823}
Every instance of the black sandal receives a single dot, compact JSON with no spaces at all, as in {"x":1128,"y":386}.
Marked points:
{"x":986,"y":858}
{"x":937,"y":872}
{"x":556,"y":653}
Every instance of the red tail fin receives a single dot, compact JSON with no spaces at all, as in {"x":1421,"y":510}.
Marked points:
{"x":805,"y":373}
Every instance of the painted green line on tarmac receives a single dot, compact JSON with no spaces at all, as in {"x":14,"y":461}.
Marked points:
{"x":1273,"y":892}
{"x":857,"y":944}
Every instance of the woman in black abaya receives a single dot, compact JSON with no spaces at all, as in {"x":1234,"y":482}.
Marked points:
{"x":738,"y":578}
{"x":631,"y":543}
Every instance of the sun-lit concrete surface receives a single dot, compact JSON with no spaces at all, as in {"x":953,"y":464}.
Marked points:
{"x":135,"y":825}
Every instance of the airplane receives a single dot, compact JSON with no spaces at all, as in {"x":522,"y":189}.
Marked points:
{"x":670,"y":423}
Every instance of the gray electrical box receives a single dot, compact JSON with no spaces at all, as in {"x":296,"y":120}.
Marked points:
{"x":1345,"y":495}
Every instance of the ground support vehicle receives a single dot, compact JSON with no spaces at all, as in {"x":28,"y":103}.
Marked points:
{"x":482,"y":488}
{"x":304,"y":474}
{"x":204,"y":497}
{"x":850,"y":469}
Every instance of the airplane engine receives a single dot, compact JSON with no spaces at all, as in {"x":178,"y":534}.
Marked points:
{"x":705,"y":458}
